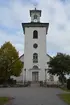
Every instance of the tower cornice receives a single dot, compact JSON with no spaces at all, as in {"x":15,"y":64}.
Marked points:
{"x":32,"y":24}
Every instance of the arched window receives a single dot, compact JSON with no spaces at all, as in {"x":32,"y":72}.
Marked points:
{"x":35,"y":58}
{"x":35,"y":16}
{"x":35,"y":34}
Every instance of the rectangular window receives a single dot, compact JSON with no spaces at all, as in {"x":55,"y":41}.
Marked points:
{"x":35,"y":58}
{"x":35,"y":61}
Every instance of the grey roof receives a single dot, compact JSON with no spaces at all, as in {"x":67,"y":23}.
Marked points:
{"x":33,"y":24}
{"x":21,"y":56}
{"x":49,"y":56}
{"x":46,"y":54}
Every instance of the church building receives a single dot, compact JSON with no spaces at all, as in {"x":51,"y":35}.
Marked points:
{"x":35,"y":57}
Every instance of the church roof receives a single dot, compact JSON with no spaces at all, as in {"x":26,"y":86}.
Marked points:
{"x":33,"y":24}
{"x":23,"y":55}
{"x":48,"y":55}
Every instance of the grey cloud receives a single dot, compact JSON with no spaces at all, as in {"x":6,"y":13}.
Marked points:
{"x":53,"y":11}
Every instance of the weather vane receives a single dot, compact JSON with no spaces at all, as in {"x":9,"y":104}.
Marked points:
{"x":35,"y":4}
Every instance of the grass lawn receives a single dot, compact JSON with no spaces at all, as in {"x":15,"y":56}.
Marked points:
{"x":65,"y":89}
{"x":3,"y":100}
{"x":65,"y":97}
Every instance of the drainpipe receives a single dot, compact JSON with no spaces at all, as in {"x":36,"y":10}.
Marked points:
{"x":25,"y":75}
{"x":45,"y":75}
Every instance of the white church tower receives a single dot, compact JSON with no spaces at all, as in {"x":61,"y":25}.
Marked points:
{"x":35,"y":62}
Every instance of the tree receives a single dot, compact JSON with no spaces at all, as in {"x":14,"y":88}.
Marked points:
{"x":10,"y":63}
{"x":61,"y":79}
{"x":60,"y":65}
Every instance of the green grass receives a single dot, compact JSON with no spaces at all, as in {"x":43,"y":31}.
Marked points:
{"x":3,"y":100}
{"x":65,"y":89}
{"x":65,"y":97}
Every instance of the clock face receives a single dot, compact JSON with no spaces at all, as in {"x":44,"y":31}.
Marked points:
{"x":35,"y":20}
{"x":35,"y":45}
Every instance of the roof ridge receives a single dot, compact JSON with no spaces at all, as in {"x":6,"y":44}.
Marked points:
{"x":46,"y":54}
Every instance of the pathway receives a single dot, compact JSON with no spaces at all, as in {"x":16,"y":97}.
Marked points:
{"x":33,"y":96}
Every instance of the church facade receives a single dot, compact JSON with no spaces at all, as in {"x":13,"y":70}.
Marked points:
{"x":35,"y":57}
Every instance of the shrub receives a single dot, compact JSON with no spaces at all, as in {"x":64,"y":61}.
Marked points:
{"x":11,"y":82}
{"x":29,"y":83}
{"x":68,"y":84}
{"x":2,"y":81}
{"x":44,"y":83}
{"x":19,"y":85}
{"x":26,"y":84}
{"x":41,"y":83}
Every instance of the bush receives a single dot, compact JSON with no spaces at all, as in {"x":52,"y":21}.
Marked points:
{"x":2,"y":81}
{"x":68,"y":84}
{"x":53,"y":85}
{"x":19,"y":85}
{"x":11,"y":82}
{"x":29,"y":83}
{"x":44,"y":83}
{"x":26,"y":84}
{"x":41,"y":83}
{"x":62,"y":79}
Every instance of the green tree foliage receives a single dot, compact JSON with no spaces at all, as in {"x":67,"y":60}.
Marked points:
{"x":59,"y":65}
{"x":10,"y":63}
{"x":62,"y":79}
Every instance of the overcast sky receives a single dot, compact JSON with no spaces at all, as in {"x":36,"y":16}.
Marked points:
{"x":56,"y":12}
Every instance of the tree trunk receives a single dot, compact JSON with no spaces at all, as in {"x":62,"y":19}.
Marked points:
{"x":62,"y":75}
